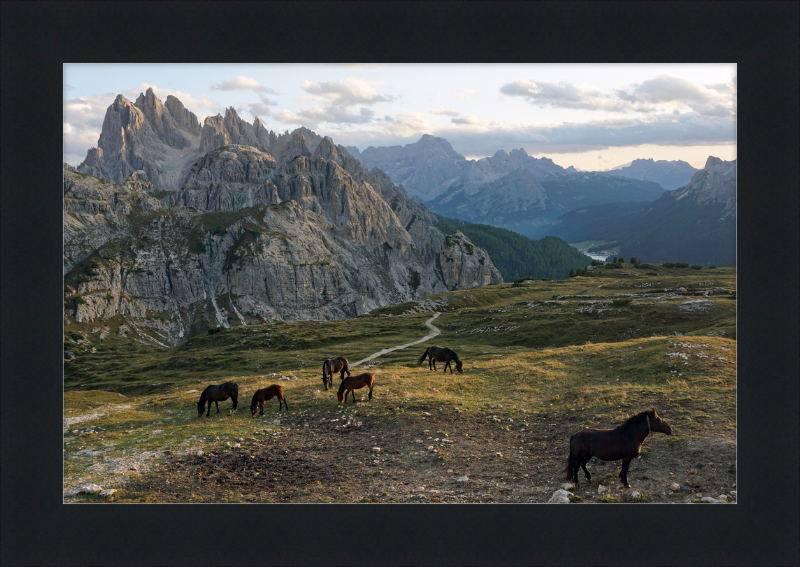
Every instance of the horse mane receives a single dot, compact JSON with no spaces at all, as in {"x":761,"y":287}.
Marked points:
{"x":631,"y":421}
{"x":341,"y":386}
{"x":453,"y":353}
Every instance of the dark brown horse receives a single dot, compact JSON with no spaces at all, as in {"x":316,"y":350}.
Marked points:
{"x":331,"y":365}
{"x":265,"y":394}
{"x":354,"y":383}
{"x":438,"y":354}
{"x":218,"y":394}
{"x":623,"y":442}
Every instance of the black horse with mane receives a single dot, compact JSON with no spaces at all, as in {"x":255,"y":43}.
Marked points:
{"x":217,"y":394}
{"x":439,"y":354}
{"x":623,"y":442}
{"x":331,"y":365}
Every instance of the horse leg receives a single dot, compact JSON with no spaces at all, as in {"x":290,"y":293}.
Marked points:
{"x":353,"y":393}
{"x":216,"y":403}
{"x":446,"y":366}
{"x":370,"y":393}
{"x":586,"y":472}
{"x":286,"y":404}
{"x":208,"y":413}
{"x":623,"y":474}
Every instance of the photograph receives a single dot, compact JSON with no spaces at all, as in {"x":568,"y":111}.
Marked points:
{"x":400,"y":283}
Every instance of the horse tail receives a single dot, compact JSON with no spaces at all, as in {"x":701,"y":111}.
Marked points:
{"x":568,"y":466}
{"x":422,"y":358}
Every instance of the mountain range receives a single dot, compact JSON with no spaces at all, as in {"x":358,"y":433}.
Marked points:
{"x":171,"y":229}
{"x":669,"y":174}
{"x":508,"y":190}
{"x":536,"y":198}
{"x":695,"y":223}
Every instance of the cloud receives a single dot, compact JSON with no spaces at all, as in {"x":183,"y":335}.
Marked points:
{"x":659,"y":95}
{"x":446,"y":111}
{"x":333,"y":102}
{"x":259,"y":108}
{"x":470,"y":120}
{"x":311,"y":117}
{"x":242,"y":83}
{"x":466,"y":94}
{"x":347,"y":92}
{"x":562,"y":95}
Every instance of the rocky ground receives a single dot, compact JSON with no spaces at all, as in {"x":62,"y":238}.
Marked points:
{"x":346,"y":455}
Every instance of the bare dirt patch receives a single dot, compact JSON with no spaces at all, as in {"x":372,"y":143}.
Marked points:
{"x":330,"y":456}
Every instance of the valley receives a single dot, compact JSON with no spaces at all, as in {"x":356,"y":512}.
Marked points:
{"x":542,"y":359}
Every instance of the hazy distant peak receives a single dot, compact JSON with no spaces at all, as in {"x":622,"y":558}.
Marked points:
{"x":712,"y":161}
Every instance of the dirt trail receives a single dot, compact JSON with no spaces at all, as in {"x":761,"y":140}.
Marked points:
{"x":429,"y":323}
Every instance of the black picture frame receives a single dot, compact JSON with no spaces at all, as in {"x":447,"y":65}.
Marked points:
{"x":761,"y":37}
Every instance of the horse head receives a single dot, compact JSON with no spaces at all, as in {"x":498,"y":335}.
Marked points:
{"x":458,"y":366}
{"x":201,"y":406}
{"x":657,"y":424}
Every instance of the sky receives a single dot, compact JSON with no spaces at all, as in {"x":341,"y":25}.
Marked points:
{"x":592,"y":116}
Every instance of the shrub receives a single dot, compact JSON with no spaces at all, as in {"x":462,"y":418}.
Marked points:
{"x":214,"y":330}
{"x":696,"y":267}
{"x":712,"y":267}
{"x":621,"y":302}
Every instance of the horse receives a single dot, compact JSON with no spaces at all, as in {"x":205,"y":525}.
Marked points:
{"x":218,"y":394}
{"x":354,"y":383}
{"x":332,"y":365}
{"x":623,"y":442}
{"x":265,"y":394}
{"x":438,"y":354}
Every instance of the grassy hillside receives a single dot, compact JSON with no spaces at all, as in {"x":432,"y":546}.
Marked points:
{"x":517,"y":256}
{"x":542,"y":359}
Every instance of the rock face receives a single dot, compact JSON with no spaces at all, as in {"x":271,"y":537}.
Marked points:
{"x":249,"y":236}
{"x":669,"y":174}
{"x":715,"y":183}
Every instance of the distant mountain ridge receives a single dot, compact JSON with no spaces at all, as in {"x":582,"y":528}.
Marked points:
{"x":509,"y":190}
{"x":695,"y":223}
{"x":669,"y":174}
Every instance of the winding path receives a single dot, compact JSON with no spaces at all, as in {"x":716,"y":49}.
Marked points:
{"x":434,"y":331}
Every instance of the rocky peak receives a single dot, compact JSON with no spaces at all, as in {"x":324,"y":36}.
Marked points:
{"x":161,"y":120}
{"x":715,"y":183}
{"x":182,"y":116}
{"x":143,"y":136}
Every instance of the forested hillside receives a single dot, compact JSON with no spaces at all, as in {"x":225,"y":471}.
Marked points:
{"x":518,"y":256}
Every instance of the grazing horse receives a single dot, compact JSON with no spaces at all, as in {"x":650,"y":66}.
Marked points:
{"x":218,"y":394}
{"x":354,"y":383}
{"x":331,"y":365}
{"x":438,"y":354}
{"x":265,"y":394}
{"x":623,"y":442}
